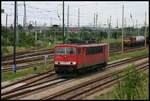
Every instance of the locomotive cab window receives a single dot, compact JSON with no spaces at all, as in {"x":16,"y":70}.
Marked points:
{"x":65,"y":50}
{"x":60,"y":50}
{"x":70,"y":50}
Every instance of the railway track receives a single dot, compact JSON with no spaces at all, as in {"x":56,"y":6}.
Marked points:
{"x":39,"y":51}
{"x":111,"y":83}
{"x":8,"y":69}
{"x":116,"y":52}
{"x":79,"y":91}
{"x":20,"y":52}
{"x":32,"y":84}
{"x":35,"y":53}
{"x":13,"y":93}
{"x":28,"y":59}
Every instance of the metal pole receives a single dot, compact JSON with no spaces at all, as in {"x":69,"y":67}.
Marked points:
{"x":136,"y":28}
{"x":35,"y":32}
{"x":109,"y":28}
{"x":17,"y":24}
{"x":117,"y":29}
{"x":6,"y":19}
{"x":15,"y":67}
{"x":63,"y":25}
{"x":145,"y":29}
{"x":125,"y":24}
{"x":108,"y":37}
{"x":78,"y":18}
{"x":96,"y":26}
{"x":122,"y":27}
{"x":79,"y":22}
{"x":117,"y":22}
{"x":51,"y":21}
{"x":68,"y":20}
{"x":94,"y":19}
{"x":109,"y":23}
{"x":24,"y":21}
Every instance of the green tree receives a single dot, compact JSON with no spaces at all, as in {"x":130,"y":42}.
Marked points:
{"x":30,"y":27}
{"x":20,"y":27}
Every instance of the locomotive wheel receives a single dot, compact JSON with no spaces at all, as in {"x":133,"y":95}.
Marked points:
{"x":105,"y":64}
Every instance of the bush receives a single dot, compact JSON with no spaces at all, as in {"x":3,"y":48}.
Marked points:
{"x":38,"y":43}
{"x":132,"y":85}
{"x":4,"y":50}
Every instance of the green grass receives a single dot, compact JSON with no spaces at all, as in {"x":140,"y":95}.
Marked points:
{"x":128,"y":55}
{"x":10,"y":49}
{"x":20,"y":73}
{"x":113,"y":40}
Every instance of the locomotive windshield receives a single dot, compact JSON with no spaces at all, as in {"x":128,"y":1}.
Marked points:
{"x":65,"y":50}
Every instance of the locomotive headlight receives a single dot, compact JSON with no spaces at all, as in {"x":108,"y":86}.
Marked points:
{"x":56,"y":62}
{"x":73,"y":63}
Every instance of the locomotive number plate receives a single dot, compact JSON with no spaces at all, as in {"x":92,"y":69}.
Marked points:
{"x":64,"y":62}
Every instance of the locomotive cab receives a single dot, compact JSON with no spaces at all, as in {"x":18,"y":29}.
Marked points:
{"x":65,"y":58}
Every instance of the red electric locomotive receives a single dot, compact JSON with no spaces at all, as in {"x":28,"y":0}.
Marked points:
{"x":73,"y":57}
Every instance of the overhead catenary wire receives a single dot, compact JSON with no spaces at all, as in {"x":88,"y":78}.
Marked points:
{"x":41,"y":10}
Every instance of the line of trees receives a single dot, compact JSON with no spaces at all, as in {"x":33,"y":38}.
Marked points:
{"x":54,"y":34}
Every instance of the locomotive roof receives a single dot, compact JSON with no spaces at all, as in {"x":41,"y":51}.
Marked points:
{"x":83,"y":45}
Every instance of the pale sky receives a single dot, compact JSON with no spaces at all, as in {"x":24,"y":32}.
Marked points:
{"x":47,"y":12}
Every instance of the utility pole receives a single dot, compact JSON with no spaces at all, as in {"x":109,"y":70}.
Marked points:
{"x":96,"y":26}
{"x":79,"y":22}
{"x":6,"y":19}
{"x":15,"y":67}
{"x":35,"y":32}
{"x":109,"y":25}
{"x":94,"y":19}
{"x":108,"y":36}
{"x":17,"y":40}
{"x":122,"y":27}
{"x":99,"y":22}
{"x":100,"y":30}
{"x":68,"y":20}
{"x":63,"y":25}
{"x":117,"y":29}
{"x":145,"y":29}
{"x":136,"y":28}
{"x":24,"y":20}
{"x":51,"y":21}
{"x":78,"y":18}
{"x":117,"y":22}
{"x":124,"y":24}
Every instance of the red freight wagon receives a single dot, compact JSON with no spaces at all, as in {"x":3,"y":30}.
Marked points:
{"x":70,"y":57}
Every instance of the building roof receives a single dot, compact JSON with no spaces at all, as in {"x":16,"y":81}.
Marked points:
{"x":73,"y":29}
